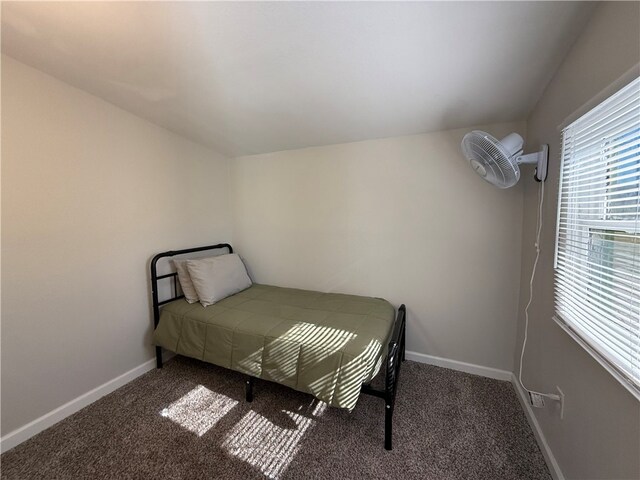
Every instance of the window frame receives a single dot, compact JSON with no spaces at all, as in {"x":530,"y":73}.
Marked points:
{"x":584,"y":233}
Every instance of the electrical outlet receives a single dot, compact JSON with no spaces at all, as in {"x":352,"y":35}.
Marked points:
{"x":536,"y":400}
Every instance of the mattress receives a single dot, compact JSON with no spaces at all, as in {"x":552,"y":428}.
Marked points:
{"x":325,"y":344}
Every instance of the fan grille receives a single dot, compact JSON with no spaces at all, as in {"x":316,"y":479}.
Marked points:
{"x":499,"y":168}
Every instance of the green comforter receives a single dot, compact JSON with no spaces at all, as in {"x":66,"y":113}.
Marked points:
{"x":325,"y":344}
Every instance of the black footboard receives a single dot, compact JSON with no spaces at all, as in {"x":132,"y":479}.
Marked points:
{"x":395,"y":357}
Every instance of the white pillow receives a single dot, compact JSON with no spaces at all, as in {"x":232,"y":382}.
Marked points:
{"x":215,"y":278}
{"x":186,"y":284}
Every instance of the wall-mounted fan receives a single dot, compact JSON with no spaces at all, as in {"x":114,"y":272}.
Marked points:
{"x":498,"y":161}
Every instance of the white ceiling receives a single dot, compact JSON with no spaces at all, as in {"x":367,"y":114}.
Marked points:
{"x":249,"y":78}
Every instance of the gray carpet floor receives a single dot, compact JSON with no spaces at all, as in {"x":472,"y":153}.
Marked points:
{"x":190,"y":421}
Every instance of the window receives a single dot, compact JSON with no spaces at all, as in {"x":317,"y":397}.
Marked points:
{"x":598,"y":239}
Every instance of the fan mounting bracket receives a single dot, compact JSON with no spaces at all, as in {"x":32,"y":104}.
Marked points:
{"x":540,"y":159}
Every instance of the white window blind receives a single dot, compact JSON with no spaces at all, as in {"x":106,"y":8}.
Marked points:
{"x":597,"y":288}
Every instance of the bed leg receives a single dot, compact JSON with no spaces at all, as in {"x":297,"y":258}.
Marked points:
{"x":404,"y":341}
{"x":388,"y":426}
{"x":158,"y":357}
{"x":249,"y":389}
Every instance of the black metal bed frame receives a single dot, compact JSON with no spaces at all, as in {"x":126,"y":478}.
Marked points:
{"x":393,"y":362}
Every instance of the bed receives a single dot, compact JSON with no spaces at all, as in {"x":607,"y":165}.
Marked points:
{"x":326,"y":344}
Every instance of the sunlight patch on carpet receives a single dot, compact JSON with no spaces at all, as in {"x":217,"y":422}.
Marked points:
{"x":270,"y":445}
{"x":199,"y":410}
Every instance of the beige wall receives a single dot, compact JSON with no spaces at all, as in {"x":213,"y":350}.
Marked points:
{"x":89,"y":193}
{"x":599,"y":437}
{"x":402,"y":218}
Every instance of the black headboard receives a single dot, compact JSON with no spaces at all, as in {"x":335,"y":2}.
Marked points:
{"x":155,"y":277}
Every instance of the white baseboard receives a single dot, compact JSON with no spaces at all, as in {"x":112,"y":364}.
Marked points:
{"x":460,"y":366}
{"x":27,"y":431}
{"x":552,"y":463}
